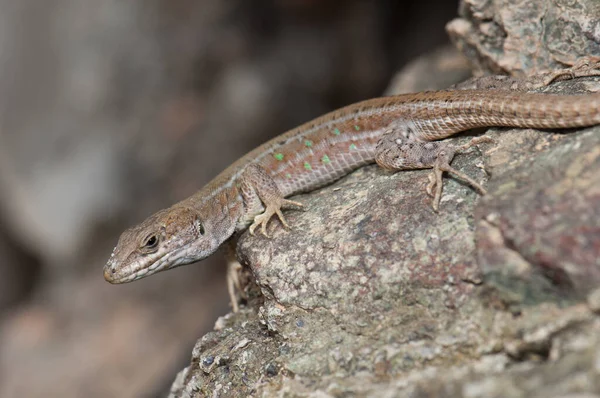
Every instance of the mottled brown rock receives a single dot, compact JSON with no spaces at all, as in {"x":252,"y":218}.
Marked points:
{"x":525,"y":36}
{"x":373,"y":294}
{"x":539,"y":228}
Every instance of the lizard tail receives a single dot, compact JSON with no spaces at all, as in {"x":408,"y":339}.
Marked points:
{"x":544,"y":110}
{"x":449,"y":112}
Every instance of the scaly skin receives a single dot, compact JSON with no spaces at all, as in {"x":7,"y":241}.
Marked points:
{"x":399,"y":132}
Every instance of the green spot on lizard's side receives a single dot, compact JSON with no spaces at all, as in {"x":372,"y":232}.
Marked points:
{"x":288,"y":175}
{"x":356,"y":127}
{"x":307,"y":166}
{"x":336,"y":131}
{"x":279,"y":156}
{"x":308,"y":143}
{"x":325,"y":159}
{"x":352,"y":147}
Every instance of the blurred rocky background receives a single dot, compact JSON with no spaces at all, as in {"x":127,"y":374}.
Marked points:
{"x":110,"y":110}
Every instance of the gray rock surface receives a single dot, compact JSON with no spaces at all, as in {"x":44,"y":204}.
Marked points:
{"x":525,"y":36}
{"x":373,"y":294}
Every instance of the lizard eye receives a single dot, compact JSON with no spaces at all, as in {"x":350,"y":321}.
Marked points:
{"x":151,"y":242}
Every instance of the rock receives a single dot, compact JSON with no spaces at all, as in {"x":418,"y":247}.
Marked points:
{"x":522,"y":37}
{"x":373,"y":294}
{"x":538,"y":234}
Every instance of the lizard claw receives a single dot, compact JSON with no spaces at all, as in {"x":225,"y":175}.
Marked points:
{"x":431,"y":185}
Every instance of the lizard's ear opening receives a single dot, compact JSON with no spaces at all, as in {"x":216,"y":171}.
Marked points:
{"x":199,"y":226}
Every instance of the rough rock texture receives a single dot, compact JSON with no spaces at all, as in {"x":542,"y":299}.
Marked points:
{"x":373,"y":294}
{"x":538,"y":234}
{"x":524,"y":36}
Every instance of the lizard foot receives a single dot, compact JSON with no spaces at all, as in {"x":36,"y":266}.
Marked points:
{"x":273,"y":209}
{"x":442,"y":164}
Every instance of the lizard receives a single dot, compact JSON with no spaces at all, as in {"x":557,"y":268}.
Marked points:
{"x":402,"y":132}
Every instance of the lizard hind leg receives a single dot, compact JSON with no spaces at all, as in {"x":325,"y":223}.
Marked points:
{"x":402,"y":150}
{"x":442,"y":164}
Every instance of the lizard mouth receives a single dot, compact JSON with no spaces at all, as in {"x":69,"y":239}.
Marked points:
{"x":114,"y":275}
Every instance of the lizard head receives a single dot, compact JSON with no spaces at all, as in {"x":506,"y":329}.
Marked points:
{"x":167,"y":239}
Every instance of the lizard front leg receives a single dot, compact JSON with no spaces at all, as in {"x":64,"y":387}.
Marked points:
{"x":235,"y":286}
{"x":256,"y":187}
